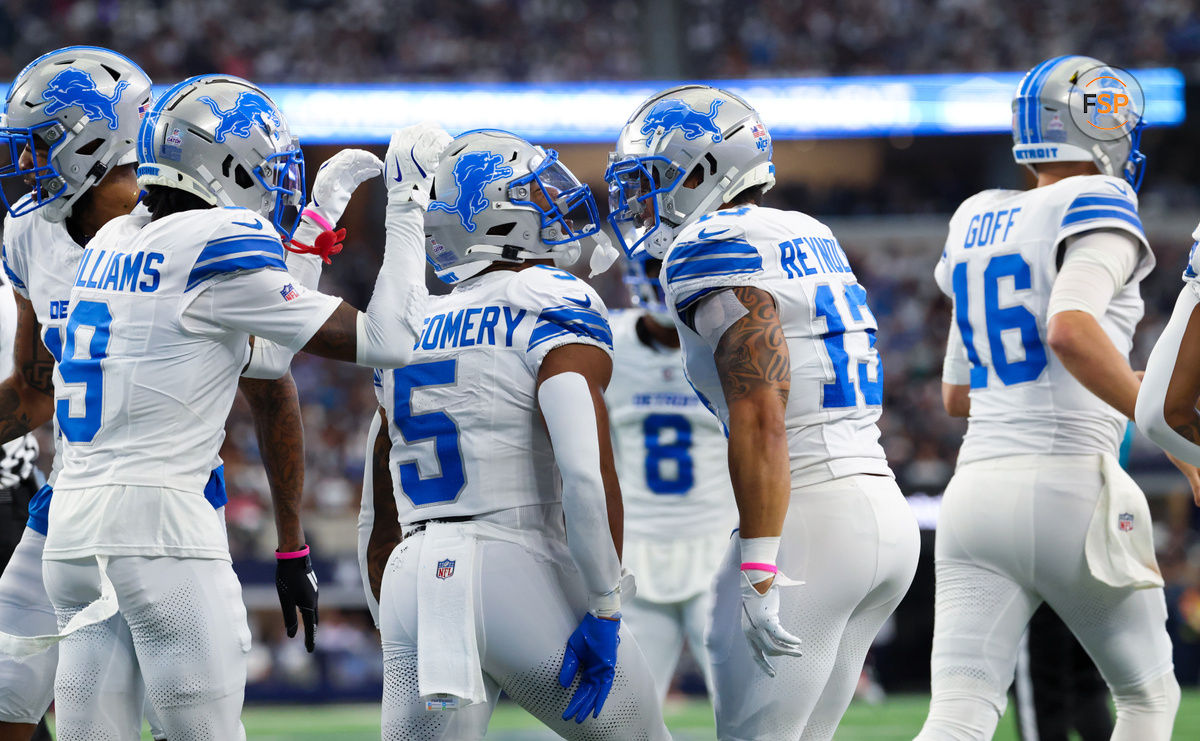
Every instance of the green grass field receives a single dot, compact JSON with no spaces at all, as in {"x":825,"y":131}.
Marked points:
{"x":900,"y":717}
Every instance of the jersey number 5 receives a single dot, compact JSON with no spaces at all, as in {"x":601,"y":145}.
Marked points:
{"x":94,"y":316}
{"x":437,"y":426}
{"x":999,"y":320}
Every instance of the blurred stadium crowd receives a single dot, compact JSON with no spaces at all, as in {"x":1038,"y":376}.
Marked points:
{"x":360,"y":41}
{"x":541,"y":40}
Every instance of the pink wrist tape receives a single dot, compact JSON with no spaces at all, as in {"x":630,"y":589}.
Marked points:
{"x":319,"y":219}
{"x":282,"y":555}
{"x":752,"y":566}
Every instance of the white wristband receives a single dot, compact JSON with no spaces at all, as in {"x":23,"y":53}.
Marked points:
{"x":758,"y":557}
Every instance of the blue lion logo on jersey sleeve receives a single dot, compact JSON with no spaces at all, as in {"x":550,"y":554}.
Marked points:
{"x":472,"y":172}
{"x":74,"y":87}
{"x":672,"y":114}
{"x":250,"y":109}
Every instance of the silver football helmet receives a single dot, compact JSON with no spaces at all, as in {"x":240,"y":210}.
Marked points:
{"x":222,"y":139}
{"x":1049,"y":122}
{"x":684,"y":152}
{"x":76,"y":111}
{"x":495,"y":197}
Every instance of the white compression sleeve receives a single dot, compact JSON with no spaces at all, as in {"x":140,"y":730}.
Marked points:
{"x":716,"y":314}
{"x":566,"y":403}
{"x":271,"y":360}
{"x":392,"y":321}
{"x":1096,"y":266}
{"x":1152,"y":396}
{"x":956,"y":368}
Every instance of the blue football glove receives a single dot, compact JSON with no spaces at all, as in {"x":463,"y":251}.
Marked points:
{"x":592,"y":651}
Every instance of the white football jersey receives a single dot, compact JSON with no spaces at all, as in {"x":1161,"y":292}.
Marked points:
{"x":467,"y":436}
{"x":157,"y":334}
{"x":40,"y":259}
{"x":837,"y":377}
{"x":1001,"y":257}
{"x":671,"y":452}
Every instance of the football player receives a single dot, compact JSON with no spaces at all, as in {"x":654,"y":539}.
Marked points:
{"x":671,"y":461}
{"x":1166,"y":404}
{"x":161,"y":311}
{"x":70,"y":124}
{"x":779,"y":342}
{"x":507,"y":578}
{"x":1045,"y":286}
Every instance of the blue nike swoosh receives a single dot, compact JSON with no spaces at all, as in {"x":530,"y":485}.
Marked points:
{"x":252,"y":224}
{"x":709,"y":235}
{"x":585,"y":303}
{"x":398,"y":179}
{"x":413,"y":157}
{"x":1119,"y":188}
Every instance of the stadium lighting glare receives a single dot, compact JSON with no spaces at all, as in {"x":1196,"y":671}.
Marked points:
{"x":792,"y":108}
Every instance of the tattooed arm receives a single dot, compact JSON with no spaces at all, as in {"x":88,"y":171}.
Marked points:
{"x":280,"y":433}
{"x":755,"y":368}
{"x":385,"y":531}
{"x":27,"y":396}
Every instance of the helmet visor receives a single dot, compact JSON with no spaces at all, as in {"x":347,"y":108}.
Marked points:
{"x":282,"y":174}
{"x":633,"y":189}
{"x":28,"y":177}
{"x":567,"y":208}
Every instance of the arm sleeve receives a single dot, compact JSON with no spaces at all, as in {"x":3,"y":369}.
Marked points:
{"x":391,"y":324}
{"x":1096,"y":266}
{"x":1152,"y":396}
{"x":956,"y":368}
{"x":566,"y":403}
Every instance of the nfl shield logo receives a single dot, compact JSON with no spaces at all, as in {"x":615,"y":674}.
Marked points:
{"x":289,"y":292}
{"x":445,"y":568}
{"x":1125,"y":522}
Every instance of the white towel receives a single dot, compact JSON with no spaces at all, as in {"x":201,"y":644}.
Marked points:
{"x":449,"y":670}
{"x":1120,"y":539}
{"x":105,"y":606}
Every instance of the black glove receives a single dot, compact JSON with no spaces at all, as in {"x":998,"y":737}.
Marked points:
{"x":297,"y":587}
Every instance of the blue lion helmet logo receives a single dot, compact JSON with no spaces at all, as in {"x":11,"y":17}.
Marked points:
{"x":672,"y":114}
{"x":472,"y":172}
{"x":74,"y":87}
{"x":249,"y":110}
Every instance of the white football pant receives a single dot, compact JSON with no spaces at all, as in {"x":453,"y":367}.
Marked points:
{"x":26,"y":686}
{"x":854,"y":543}
{"x":1010,"y":536}
{"x":526,"y":608}
{"x":181,"y":629}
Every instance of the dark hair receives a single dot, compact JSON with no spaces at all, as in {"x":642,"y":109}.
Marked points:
{"x":162,"y":200}
{"x":753,"y":194}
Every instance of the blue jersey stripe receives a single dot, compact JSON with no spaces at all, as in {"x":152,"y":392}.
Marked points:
{"x":710,"y":267}
{"x":8,"y":271}
{"x":1093,"y":199}
{"x":710,"y":248}
{"x":687,"y":301}
{"x":557,"y":321}
{"x":233,"y":264}
{"x":240,"y":243}
{"x":1091,"y":214}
